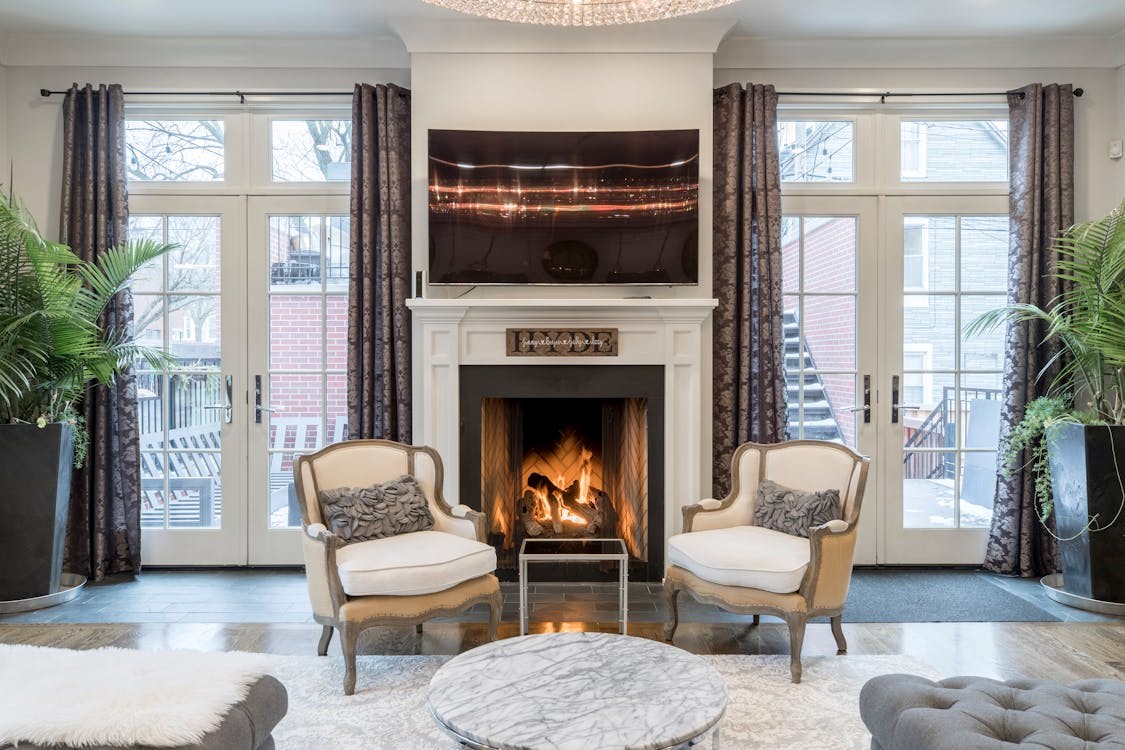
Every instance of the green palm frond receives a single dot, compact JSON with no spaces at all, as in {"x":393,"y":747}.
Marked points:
{"x":1087,"y":319}
{"x":54,"y":340}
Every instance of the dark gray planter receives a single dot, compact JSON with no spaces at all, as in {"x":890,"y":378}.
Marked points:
{"x":1086,"y":483}
{"x":35,"y":468}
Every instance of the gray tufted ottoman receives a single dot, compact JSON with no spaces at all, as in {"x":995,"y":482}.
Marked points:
{"x":905,"y":712}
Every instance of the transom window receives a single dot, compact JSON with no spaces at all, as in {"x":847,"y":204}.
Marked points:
{"x":175,"y":150}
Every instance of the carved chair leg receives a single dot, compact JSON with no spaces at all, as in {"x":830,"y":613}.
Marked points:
{"x":838,"y":632}
{"x":495,"y":609}
{"x":796,"y":642}
{"x":349,"y":635}
{"x":418,"y":629}
{"x":325,"y":639}
{"x":671,"y":594}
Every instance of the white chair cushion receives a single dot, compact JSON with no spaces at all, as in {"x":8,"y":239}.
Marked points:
{"x":421,"y":562}
{"x":745,"y":556}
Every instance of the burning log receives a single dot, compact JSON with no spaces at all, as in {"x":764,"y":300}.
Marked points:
{"x":547,"y":510}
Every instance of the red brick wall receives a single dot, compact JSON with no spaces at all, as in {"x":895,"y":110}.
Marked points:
{"x":830,"y":322}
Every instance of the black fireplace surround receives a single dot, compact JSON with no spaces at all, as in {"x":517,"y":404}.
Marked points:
{"x":478,"y":382}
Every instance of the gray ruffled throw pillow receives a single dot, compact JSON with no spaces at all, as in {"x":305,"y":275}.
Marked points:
{"x":793,"y":511}
{"x":358,"y":514}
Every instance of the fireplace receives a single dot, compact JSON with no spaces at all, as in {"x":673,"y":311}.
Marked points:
{"x":565,"y":452}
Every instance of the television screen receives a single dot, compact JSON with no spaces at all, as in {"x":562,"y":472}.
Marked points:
{"x":564,"y":208}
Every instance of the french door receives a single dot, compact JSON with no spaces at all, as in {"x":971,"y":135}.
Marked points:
{"x":946,"y":263}
{"x":830,"y":324}
{"x":191,"y":420}
{"x":253,"y":309}
{"x":298,"y":318}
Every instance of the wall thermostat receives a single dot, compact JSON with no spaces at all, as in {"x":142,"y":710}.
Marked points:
{"x":1115,"y":149}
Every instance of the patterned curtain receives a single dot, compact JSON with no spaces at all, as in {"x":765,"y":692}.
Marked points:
{"x":104,"y":528}
{"x":379,"y":397}
{"x":749,"y":356}
{"x":1041,"y":154}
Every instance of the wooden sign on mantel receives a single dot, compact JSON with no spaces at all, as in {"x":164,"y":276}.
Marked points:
{"x":575,"y":342}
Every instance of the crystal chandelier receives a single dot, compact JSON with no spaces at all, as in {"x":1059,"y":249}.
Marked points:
{"x":579,"y":12}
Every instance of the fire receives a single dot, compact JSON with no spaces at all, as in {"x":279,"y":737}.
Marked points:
{"x":550,"y":506}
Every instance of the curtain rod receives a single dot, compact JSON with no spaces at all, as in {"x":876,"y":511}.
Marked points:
{"x":883,"y":95}
{"x":243,"y":94}
{"x":240,"y":94}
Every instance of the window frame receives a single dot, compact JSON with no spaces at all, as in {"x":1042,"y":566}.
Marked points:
{"x":247,"y":146}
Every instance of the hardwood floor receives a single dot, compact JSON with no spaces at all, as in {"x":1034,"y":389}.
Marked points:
{"x":1060,"y":651}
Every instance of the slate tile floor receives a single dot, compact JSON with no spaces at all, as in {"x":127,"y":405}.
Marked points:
{"x":240,"y":595}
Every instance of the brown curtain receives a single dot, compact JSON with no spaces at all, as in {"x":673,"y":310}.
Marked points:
{"x":1041,"y":155}
{"x":104,"y":529}
{"x":379,"y":397}
{"x":749,"y":357}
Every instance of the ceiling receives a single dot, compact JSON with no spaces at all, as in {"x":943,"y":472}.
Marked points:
{"x":758,"y":18}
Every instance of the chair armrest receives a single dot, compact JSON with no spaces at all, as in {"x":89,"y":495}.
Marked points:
{"x":462,"y":521}
{"x":326,"y":592}
{"x":832,"y":548}
{"x":710,"y":513}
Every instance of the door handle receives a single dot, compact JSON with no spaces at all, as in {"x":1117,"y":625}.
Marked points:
{"x":895,"y":405}
{"x":258,"y":407}
{"x":866,"y":407}
{"x":228,"y":408}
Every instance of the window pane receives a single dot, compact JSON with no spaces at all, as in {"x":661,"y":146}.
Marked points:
{"x":151,"y":277}
{"x":295,"y":251}
{"x":954,"y":150}
{"x":984,"y":351}
{"x":931,"y":321}
{"x":829,"y":245}
{"x":816,"y":150}
{"x":194,"y":265}
{"x":174,"y":150}
{"x":296,"y":334}
{"x":984,"y":253}
{"x":830,"y":332}
{"x":932,"y":240}
{"x":194,"y":324}
{"x":790,"y":253}
{"x":311,"y":150}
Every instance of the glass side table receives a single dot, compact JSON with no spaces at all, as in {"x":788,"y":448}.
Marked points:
{"x":576,"y":550}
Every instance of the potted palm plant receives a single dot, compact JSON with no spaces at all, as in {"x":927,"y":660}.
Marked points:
{"x":53,"y":346}
{"x":1074,"y":437}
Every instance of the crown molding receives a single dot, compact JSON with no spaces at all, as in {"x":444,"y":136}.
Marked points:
{"x":1022,"y":52}
{"x":195,"y":52}
{"x":676,"y":35}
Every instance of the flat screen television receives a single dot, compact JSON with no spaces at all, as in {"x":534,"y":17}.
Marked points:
{"x":564,"y":208}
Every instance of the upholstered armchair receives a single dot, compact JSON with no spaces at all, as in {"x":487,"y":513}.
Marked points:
{"x":403,"y":579}
{"x":722,"y":558}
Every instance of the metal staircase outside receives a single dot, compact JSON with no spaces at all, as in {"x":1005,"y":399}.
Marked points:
{"x":819,"y":420}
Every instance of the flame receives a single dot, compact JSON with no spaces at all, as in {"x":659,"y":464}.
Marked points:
{"x":548,"y":509}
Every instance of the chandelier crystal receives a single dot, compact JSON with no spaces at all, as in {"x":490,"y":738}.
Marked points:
{"x":579,"y":12}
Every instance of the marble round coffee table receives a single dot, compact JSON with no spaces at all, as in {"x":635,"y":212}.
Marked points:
{"x":577,"y":691}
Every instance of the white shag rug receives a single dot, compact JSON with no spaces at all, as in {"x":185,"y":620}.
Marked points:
{"x":765,"y":710}
{"x":117,"y":696}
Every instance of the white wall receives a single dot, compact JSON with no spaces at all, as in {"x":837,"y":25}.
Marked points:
{"x":1099,"y":182}
{"x":4,"y":128}
{"x":34,"y":124}
{"x":1119,"y":132}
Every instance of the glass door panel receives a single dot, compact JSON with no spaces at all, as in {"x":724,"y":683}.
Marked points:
{"x":186,"y":428}
{"x":299,"y":280}
{"x":945,"y":269}
{"x":829,"y":327}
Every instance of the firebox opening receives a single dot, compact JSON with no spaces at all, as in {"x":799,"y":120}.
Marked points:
{"x":565,"y":468}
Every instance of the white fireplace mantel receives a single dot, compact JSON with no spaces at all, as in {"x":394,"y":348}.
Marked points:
{"x":449,"y":333}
